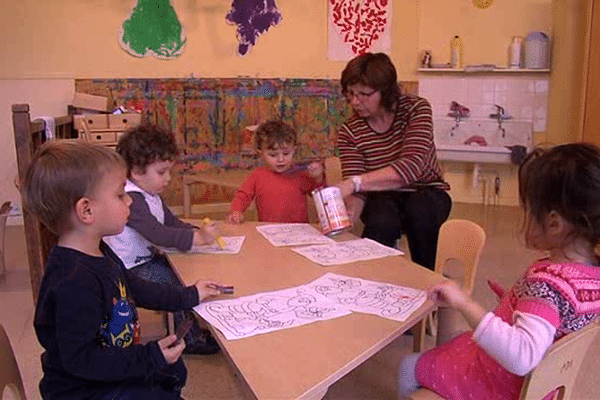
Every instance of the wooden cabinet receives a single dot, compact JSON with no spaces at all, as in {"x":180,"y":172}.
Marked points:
{"x":591,"y":91}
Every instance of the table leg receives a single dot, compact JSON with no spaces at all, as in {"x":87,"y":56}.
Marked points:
{"x":419,"y":335}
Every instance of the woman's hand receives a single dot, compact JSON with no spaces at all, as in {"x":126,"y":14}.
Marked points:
{"x":206,"y":289}
{"x":171,"y":350}
{"x":346,"y":187}
{"x":354,"y":207}
{"x":235,"y":217}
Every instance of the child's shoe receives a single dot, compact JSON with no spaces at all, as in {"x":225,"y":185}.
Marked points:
{"x":202,"y":344}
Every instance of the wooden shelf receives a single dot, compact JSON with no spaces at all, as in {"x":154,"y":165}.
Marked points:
{"x":492,"y":71}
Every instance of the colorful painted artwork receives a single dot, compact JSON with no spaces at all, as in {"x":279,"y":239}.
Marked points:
{"x":253,"y":18}
{"x":209,"y":117}
{"x":152,"y":29}
{"x":357,"y":27}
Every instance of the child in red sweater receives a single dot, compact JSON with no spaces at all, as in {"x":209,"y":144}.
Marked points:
{"x":278,"y":188}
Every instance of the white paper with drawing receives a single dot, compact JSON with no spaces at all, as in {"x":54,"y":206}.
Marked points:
{"x":360,"y":295}
{"x":265,"y":312}
{"x":292,"y":234}
{"x":346,"y":252}
{"x":233,"y":245}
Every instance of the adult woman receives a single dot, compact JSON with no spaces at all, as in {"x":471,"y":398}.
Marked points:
{"x":392,"y":178}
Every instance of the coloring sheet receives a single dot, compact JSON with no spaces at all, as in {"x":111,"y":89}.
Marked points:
{"x":265,"y":312}
{"x":346,"y":252}
{"x":233,"y":245}
{"x":360,"y":295}
{"x":293,"y":234}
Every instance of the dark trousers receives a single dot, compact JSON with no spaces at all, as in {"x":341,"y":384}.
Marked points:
{"x":164,"y":385}
{"x":158,"y":269}
{"x":419,"y":215}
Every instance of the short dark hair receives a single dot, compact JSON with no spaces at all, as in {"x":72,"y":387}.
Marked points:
{"x":376,"y":71}
{"x":144,"y":144}
{"x":61,"y":173}
{"x":275,"y":132}
{"x":565,"y":179}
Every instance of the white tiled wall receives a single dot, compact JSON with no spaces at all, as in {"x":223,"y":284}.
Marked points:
{"x":524,"y":97}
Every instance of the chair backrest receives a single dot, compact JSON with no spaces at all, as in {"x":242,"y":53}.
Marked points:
{"x":460,"y":241}
{"x":29,"y":136}
{"x":560,"y":366}
{"x":9,"y":370}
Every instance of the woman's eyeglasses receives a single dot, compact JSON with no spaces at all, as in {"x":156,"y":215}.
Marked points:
{"x":360,"y":96}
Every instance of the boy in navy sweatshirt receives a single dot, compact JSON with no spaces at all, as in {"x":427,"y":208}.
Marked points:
{"x":86,"y":317}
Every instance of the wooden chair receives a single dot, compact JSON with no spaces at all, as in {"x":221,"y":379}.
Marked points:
{"x":557,"y":372}
{"x":10,"y":376}
{"x":29,"y":136}
{"x":459,"y":249}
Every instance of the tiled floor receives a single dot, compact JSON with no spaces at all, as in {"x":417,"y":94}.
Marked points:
{"x":210,"y":377}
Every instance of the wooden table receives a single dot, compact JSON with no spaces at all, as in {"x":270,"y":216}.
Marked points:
{"x":302,"y":362}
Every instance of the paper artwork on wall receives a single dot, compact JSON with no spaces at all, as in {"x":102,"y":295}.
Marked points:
{"x":152,"y":29}
{"x":358,"y":26}
{"x":253,"y":18}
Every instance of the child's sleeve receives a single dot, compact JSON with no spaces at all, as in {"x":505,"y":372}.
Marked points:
{"x":173,"y":221}
{"x":518,"y":348}
{"x":142,"y":220}
{"x":245,"y":194}
{"x":78,"y":317}
{"x":160,"y":296}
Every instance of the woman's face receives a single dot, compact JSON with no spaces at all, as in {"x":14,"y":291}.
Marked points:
{"x":365,"y":100}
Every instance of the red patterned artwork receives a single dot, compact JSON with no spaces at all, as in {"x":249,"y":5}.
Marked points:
{"x":360,"y":22}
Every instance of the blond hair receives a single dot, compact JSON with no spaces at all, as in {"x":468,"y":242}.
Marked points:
{"x":61,"y":173}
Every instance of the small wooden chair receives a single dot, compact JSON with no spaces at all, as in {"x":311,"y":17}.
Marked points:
{"x":557,"y":372}
{"x":10,"y":376}
{"x":459,"y":250}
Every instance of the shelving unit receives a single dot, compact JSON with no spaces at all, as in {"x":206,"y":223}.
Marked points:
{"x":495,"y":70}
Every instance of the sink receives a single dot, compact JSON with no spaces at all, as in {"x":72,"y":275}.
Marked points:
{"x":479,"y":141}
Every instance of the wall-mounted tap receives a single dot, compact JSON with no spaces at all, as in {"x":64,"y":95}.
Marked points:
{"x":458,"y":112}
{"x":501,"y":115}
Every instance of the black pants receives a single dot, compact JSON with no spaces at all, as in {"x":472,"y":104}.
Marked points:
{"x":419,"y":215}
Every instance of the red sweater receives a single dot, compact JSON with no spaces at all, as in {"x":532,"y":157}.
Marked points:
{"x":278,"y":197}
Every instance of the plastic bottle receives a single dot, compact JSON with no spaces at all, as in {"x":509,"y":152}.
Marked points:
{"x":456,"y":53}
{"x":516,"y":49}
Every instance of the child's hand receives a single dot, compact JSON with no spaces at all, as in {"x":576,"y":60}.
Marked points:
{"x":206,"y":289}
{"x":448,"y":293}
{"x":170,"y":349}
{"x":207,"y":234}
{"x":315,"y":169}
{"x":235,"y":217}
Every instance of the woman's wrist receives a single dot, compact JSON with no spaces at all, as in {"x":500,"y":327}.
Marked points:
{"x":356,"y":183}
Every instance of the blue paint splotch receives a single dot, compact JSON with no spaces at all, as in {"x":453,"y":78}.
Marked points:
{"x":253,"y":18}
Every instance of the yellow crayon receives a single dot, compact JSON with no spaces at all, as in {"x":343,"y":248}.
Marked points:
{"x":219,"y":239}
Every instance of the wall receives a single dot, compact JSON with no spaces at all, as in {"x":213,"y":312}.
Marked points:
{"x":60,"y":40}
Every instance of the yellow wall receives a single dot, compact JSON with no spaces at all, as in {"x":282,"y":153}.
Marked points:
{"x":78,"y":38}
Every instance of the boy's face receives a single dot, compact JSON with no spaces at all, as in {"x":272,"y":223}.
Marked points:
{"x":155,"y":178}
{"x":110,"y":203}
{"x":279,"y":158}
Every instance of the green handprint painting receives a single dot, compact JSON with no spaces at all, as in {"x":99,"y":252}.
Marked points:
{"x":152,"y":29}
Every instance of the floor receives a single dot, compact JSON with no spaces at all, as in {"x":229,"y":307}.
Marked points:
{"x":210,"y":377}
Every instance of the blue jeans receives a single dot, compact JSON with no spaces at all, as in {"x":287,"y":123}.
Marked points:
{"x":164,"y":385}
{"x":419,"y":214}
{"x":158,"y":269}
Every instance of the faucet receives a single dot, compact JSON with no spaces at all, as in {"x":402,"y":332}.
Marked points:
{"x":501,"y":116}
{"x":457,"y":111}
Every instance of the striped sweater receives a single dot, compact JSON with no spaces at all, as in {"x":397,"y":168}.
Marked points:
{"x":407,"y":146}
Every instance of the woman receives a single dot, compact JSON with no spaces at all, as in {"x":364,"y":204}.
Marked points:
{"x":392,"y":178}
